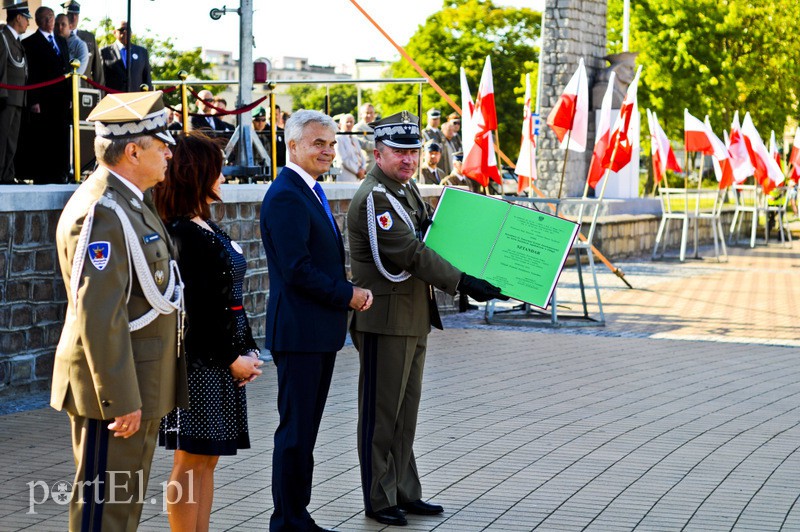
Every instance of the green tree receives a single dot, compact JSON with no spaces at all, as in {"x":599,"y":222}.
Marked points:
{"x":344,"y":98}
{"x":463,"y":33}
{"x":715,"y":57}
{"x":166,"y":61}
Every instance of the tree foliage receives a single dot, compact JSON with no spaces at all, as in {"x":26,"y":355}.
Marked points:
{"x":463,"y":33}
{"x":344,"y":98}
{"x":715,"y":57}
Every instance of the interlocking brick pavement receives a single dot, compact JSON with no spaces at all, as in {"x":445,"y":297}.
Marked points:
{"x":682,"y":413}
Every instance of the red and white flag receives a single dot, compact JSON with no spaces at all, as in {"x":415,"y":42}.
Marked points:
{"x":596,"y":170}
{"x":621,"y":142}
{"x":663,"y":156}
{"x":480,"y":163}
{"x":526,"y":162}
{"x":720,"y":158}
{"x":695,"y":134}
{"x":569,"y":118}
{"x":794,"y":157}
{"x":467,"y":107}
{"x":767,"y":172}
{"x":740,"y":158}
{"x":773,"y":150}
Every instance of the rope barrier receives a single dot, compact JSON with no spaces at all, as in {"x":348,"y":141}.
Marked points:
{"x":221,"y":111}
{"x":35,"y":85}
{"x":101,"y":87}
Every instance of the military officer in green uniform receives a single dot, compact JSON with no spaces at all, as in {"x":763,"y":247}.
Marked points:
{"x":118,"y":368}
{"x":385,"y":223}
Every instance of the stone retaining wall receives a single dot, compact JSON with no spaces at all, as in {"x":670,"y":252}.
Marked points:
{"x":624,"y":236}
{"x":33,"y":298}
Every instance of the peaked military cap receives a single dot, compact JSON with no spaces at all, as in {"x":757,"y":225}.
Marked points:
{"x":130,"y":114}
{"x":259,"y":112}
{"x":399,"y":130}
{"x":434,"y":113}
{"x":458,"y":156}
{"x":71,"y":6}
{"x":17,"y":8}
{"x":432,"y":145}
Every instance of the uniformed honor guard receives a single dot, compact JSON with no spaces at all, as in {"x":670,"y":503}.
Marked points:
{"x":386,"y":222}
{"x":118,"y":366}
{"x":13,"y":71}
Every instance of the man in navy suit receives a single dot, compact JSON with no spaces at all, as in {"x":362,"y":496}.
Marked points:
{"x":115,"y":63}
{"x":47,"y":120}
{"x":309,"y":299}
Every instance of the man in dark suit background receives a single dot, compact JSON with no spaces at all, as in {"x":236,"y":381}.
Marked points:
{"x":48,"y":108}
{"x":94,"y":71}
{"x":307,"y":309}
{"x":115,"y":63}
{"x":13,"y":71}
{"x":204,"y":105}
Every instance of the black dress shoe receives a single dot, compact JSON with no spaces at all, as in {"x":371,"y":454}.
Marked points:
{"x":419,"y":507}
{"x":388,"y":516}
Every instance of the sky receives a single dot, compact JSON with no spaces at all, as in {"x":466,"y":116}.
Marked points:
{"x":327,"y":32}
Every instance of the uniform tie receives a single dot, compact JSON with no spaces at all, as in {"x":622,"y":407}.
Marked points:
{"x":123,"y":53}
{"x":324,"y":200}
{"x":53,"y":44}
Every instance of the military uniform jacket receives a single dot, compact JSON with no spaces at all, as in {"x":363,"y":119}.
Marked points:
{"x":13,"y":68}
{"x":94,"y":71}
{"x":432,"y":176}
{"x":102,"y":369}
{"x":399,"y":308}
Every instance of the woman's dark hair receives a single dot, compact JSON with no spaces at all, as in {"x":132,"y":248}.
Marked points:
{"x":195,"y":166}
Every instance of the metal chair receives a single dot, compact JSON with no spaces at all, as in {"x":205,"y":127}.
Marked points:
{"x":779,"y":212}
{"x":746,"y":199}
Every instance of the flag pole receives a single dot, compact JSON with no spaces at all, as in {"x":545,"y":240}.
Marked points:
{"x":497,"y":152}
{"x":656,"y":180}
{"x":564,"y":167}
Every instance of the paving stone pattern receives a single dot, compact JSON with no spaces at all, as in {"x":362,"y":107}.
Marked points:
{"x":683,"y":413}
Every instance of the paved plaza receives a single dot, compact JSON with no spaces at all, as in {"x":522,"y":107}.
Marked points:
{"x":683,"y":412}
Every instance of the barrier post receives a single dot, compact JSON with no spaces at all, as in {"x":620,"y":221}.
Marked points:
{"x":273,"y":130}
{"x":76,"y":122}
{"x":184,"y":101}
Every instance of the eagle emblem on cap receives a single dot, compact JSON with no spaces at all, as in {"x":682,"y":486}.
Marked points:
{"x":385,"y":221}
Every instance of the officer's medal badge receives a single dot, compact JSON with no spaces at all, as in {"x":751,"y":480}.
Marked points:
{"x":385,"y":221}
{"x":99,"y":253}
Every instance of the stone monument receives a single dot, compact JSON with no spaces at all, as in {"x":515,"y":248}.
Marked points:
{"x":572,"y":29}
{"x":625,"y":183}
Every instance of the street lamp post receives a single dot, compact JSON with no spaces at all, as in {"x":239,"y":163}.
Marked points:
{"x":244,"y":121}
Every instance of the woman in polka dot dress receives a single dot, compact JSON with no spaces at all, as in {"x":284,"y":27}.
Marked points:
{"x":220,"y":351}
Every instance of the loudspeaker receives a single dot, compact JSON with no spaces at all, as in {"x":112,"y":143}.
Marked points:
{"x":87,"y":100}
{"x":87,"y":135}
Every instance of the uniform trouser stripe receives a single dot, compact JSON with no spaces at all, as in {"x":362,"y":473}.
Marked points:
{"x":94,"y":474}
{"x":370,"y":355}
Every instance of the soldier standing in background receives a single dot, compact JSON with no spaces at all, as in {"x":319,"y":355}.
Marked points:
{"x":13,"y":71}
